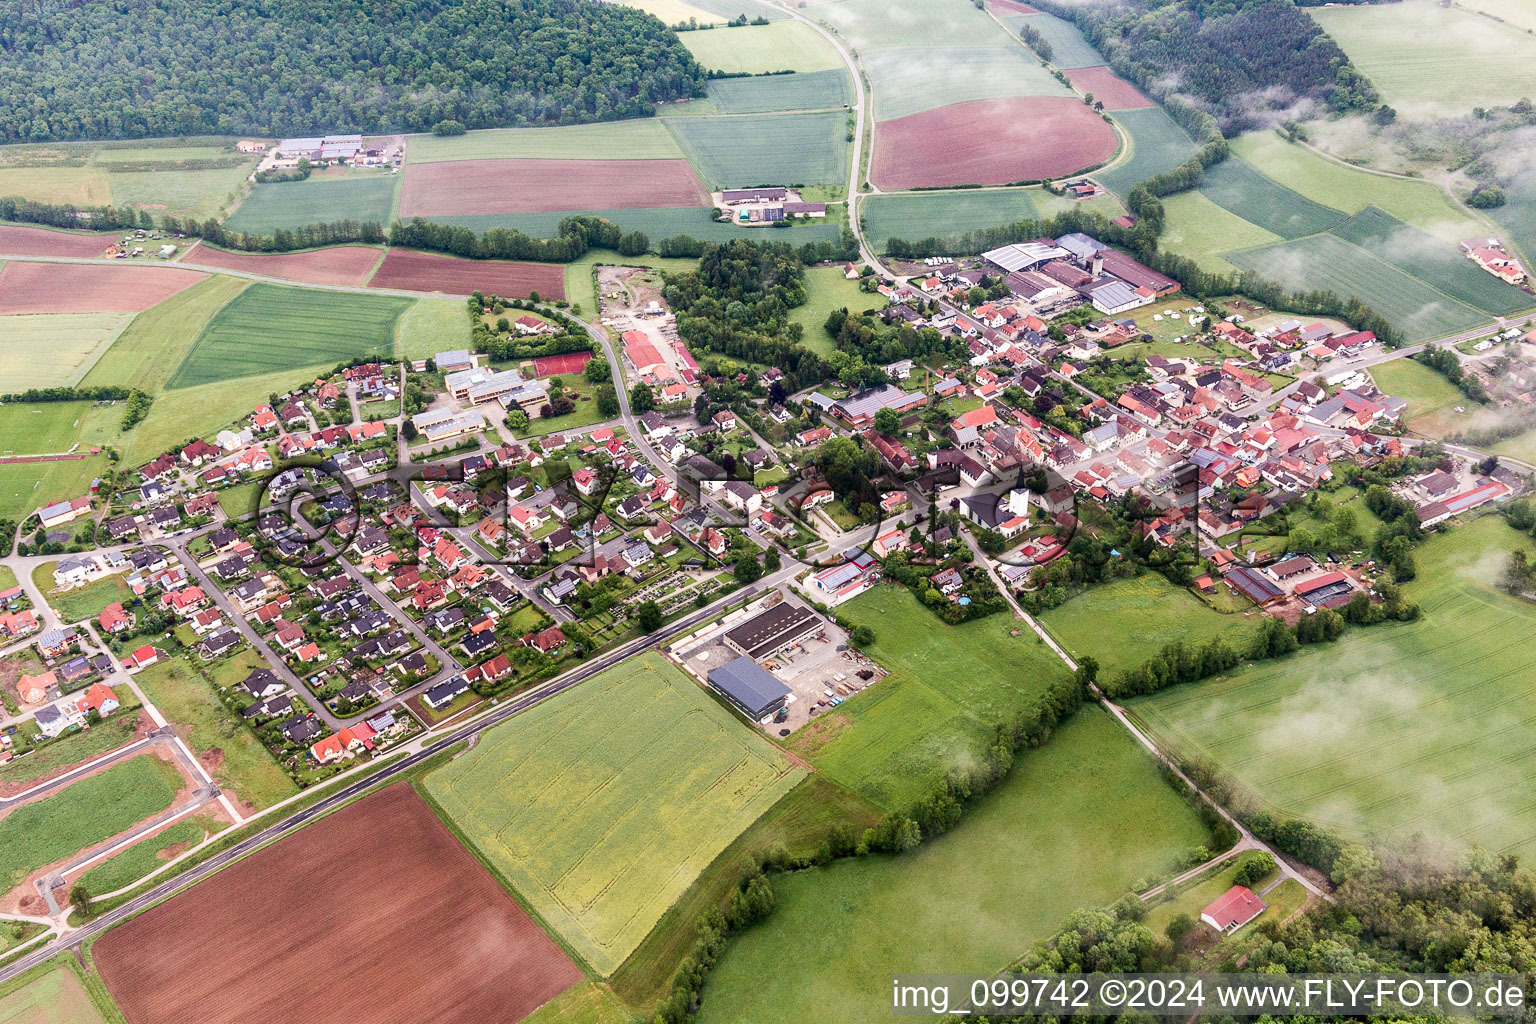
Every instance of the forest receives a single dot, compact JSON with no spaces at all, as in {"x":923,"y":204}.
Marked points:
{"x":136,"y":69}
{"x":1238,"y":58}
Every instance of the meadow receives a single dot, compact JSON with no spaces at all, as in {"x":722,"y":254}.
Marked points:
{"x":360,"y":196}
{"x":1158,"y":144}
{"x":602,"y":805}
{"x":758,"y":49}
{"x":244,"y":768}
{"x":805,"y":90}
{"x":918,"y":215}
{"x":1325,"y":261}
{"x":1515,"y":12}
{"x":1076,"y":824}
{"x":827,"y":289}
{"x":640,"y":139}
{"x":1199,"y":229}
{"x":755,"y":149}
{"x":125,"y":868}
{"x":1125,"y":622}
{"x":910,"y":79}
{"x":269,"y":327}
{"x":80,"y":603}
{"x":143,"y":173}
{"x":896,"y":740}
{"x":1419,"y":728}
{"x":147,"y":352}
{"x":54,"y":995}
{"x":1236,"y":186}
{"x":83,"y":814}
{"x":1430,"y":397}
{"x":41,"y":428}
{"x":43,"y":350}
{"x":1418,"y":53}
{"x":1069,"y":48}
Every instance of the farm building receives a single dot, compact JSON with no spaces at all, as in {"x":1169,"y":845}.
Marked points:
{"x":779,"y":627}
{"x":1235,"y":908}
{"x":749,"y":688}
{"x":1329,"y":590}
{"x":1253,"y":585}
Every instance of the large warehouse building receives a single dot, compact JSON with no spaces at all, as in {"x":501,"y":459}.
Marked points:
{"x":753,"y":691}
{"x":781,"y":626}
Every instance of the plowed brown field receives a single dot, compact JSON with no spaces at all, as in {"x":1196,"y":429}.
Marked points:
{"x":23,"y":241}
{"x":342,"y":264}
{"x":427,"y":272}
{"x":991,"y":142}
{"x":373,"y":913}
{"x":1108,"y":88}
{"x":88,"y":287}
{"x":454,"y":188}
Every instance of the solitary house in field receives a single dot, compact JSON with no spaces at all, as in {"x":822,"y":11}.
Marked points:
{"x":1235,"y":908}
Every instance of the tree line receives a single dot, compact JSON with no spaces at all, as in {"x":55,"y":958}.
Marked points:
{"x":140,"y":69}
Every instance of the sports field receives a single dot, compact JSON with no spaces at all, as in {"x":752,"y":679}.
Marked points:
{"x":760,"y":149}
{"x":83,"y":814}
{"x":910,"y":79}
{"x":1340,"y":186}
{"x":1236,"y":186}
{"x":1076,"y":824}
{"x":1324,"y":261}
{"x":918,"y":215}
{"x":359,"y":196}
{"x":1198,"y":228}
{"x":758,"y":49}
{"x":1430,"y":259}
{"x":639,"y":139}
{"x":895,"y":741}
{"x":271,"y":327}
{"x":763,"y":94}
{"x":1422,"y":728}
{"x":1430,"y":397}
{"x":53,"y":997}
{"x":1125,"y":622}
{"x":603,"y":804}
{"x":150,"y":349}
{"x":1417,"y":54}
{"x":1157,"y":145}
{"x":43,"y":350}
{"x":42,"y":428}
{"x":25,"y":487}
{"x":826,"y":289}
{"x":1069,"y":49}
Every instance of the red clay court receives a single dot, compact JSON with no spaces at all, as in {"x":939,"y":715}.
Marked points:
{"x":570,"y":362}
{"x":991,"y":142}
{"x":1108,"y":88}
{"x":88,"y":287}
{"x":21,"y":241}
{"x":454,"y":188}
{"x":342,"y":264}
{"x":376,"y":906}
{"x":426,"y":272}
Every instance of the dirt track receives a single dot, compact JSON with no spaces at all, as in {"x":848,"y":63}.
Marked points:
{"x":374,"y":913}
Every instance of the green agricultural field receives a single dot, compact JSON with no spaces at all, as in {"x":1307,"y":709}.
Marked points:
{"x":1340,"y":186}
{"x":44,"y":350}
{"x":868,"y":24}
{"x":1430,"y":259}
{"x":918,"y":215}
{"x":360,"y":196}
{"x":1158,"y":144}
{"x":148,"y":352}
{"x":1125,"y":622}
{"x":429,"y":326}
{"x":1516,"y":12}
{"x":42,"y":428}
{"x":246,"y":770}
{"x":1430,"y":397}
{"x":123,"y":869}
{"x":602,"y":805}
{"x":1076,"y":824}
{"x":271,"y":327}
{"x":1419,"y":728}
{"x":1236,"y":186}
{"x":1325,"y":261}
{"x":142,"y":175}
{"x":1199,"y":229}
{"x":827,"y":289}
{"x":83,"y":814}
{"x":1418,"y":53}
{"x":80,"y":603}
{"x":765,"y":93}
{"x":642,"y":139}
{"x":1069,"y":49}
{"x":658,"y":223}
{"x":55,"y":996}
{"x":910,"y":79}
{"x":590,"y":1002}
{"x":759,"y":49}
{"x":895,"y":741}
{"x":735,"y":152}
